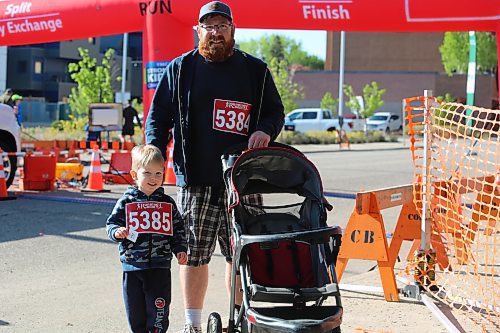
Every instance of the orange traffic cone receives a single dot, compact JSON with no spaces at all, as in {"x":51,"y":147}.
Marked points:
{"x":169,"y":173}
{"x":343,"y":140}
{"x":3,"y":183}
{"x":95,"y":174}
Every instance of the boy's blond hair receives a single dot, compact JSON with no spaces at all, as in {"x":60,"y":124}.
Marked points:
{"x":142,"y":155}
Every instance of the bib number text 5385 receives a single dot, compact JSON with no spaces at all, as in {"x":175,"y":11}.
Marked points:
{"x":149,"y":217}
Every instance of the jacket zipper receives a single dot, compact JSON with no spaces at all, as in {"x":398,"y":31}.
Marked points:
{"x":150,"y":248}
{"x":180,"y":120}
{"x":148,"y":198}
{"x":261,"y":98}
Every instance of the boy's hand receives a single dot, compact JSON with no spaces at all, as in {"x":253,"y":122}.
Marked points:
{"x":182,"y":258}
{"x":121,"y":232}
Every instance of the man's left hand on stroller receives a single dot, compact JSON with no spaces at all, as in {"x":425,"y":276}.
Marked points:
{"x":258,"y":139}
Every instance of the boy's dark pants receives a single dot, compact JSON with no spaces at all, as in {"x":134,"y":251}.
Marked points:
{"x":147,"y":298}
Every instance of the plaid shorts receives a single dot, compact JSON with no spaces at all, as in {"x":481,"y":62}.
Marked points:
{"x":206,"y":220}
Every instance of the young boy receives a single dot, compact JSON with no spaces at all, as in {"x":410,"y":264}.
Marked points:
{"x":148,"y":227}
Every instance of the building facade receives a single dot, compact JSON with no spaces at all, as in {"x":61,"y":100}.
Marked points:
{"x":41,"y":70}
{"x":405,"y":64}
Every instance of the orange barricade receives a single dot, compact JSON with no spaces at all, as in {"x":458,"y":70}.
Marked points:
{"x":119,"y":169}
{"x":39,"y":173}
{"x":105,"y":145}
{"x":72,"y":144}
{"x":37,"y":145}
{"x":169,"y":170}
{"x":365,"y":235}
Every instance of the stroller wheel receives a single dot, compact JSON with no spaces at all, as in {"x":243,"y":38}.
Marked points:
{"x":214,"y":323}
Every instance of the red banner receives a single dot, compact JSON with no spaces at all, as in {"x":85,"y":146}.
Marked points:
{"x":26,"y":22}
{"x":356,"y":15}
{"x":39,"y":21}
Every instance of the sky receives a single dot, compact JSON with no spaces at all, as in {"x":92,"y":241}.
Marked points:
{"x":313,"y":42}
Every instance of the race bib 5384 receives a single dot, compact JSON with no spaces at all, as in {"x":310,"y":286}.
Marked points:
{"x":149,"y":217}
{"x":231,"y":116}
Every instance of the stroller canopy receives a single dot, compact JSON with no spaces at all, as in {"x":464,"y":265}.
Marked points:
{"x":276,"y":170}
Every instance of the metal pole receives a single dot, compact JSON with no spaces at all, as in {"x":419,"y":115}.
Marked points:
{"x":403,"y":120}
{"x":341,"y":79}
{"x":3,"y":68}
{"x":471,"y":79}
{"x":124,"y":66}
{"x":426,"y":185}
{"x":471,"y":71}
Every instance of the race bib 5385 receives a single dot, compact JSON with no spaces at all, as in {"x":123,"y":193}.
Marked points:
{"x":149,"y":217}
{"x":231,"y":116}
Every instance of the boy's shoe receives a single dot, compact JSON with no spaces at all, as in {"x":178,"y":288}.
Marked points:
{"x":188,"y":328}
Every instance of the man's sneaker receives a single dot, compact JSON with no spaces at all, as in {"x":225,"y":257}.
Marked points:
{"x":188,"y":328}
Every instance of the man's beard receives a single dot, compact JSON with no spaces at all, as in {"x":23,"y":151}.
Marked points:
{"x":216,"y":52}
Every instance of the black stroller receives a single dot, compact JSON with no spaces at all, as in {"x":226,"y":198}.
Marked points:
{"x":284,"y":254}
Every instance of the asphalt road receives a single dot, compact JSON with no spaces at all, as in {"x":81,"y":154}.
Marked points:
{"x":59,"y":272}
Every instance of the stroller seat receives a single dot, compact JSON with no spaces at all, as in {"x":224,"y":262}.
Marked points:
{"x":281,"y":264}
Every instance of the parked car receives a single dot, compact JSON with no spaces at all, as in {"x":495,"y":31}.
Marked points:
{"x":10,"y":141}
{"x":384,"y":121}
{"x":316,"y":119}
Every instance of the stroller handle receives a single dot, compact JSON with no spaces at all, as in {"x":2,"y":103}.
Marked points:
{"x":239,"y":148}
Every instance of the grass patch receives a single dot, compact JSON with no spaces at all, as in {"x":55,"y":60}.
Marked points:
{"x":324,"y":137}
{"x":287,"y":137}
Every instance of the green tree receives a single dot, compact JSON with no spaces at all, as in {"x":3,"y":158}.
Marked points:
{"x":330,"y":103}
{"x":277,"y":49}
{"x":455,"y":52}
{"x":372,"y":96}
{"x":289,"y":91}
{"x":446,"y":98}
{"x":351,"y":101}
{"x":267,"y":46}
{"x":138,"y":105}
{"x":94,"y":85}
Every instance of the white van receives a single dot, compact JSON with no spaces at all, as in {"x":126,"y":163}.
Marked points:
{"x":385,"y":122}
{"x":10,"y":140}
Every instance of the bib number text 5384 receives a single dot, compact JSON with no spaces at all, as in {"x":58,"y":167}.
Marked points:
{"x":230,"y":116}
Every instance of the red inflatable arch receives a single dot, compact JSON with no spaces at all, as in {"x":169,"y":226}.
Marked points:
{"x":167,"y":24}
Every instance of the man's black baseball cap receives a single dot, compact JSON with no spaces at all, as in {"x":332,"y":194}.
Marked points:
{"x":217,"y":8}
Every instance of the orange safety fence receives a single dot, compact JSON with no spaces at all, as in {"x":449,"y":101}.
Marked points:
{"x":457,"y":179}
{"x":74,"y":144}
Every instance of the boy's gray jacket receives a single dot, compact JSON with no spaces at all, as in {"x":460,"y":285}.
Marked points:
{"x":170,"y":107}
{"x":149,"y":250}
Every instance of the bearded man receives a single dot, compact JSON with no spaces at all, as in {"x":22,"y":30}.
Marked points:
{"x":212,"y":97}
